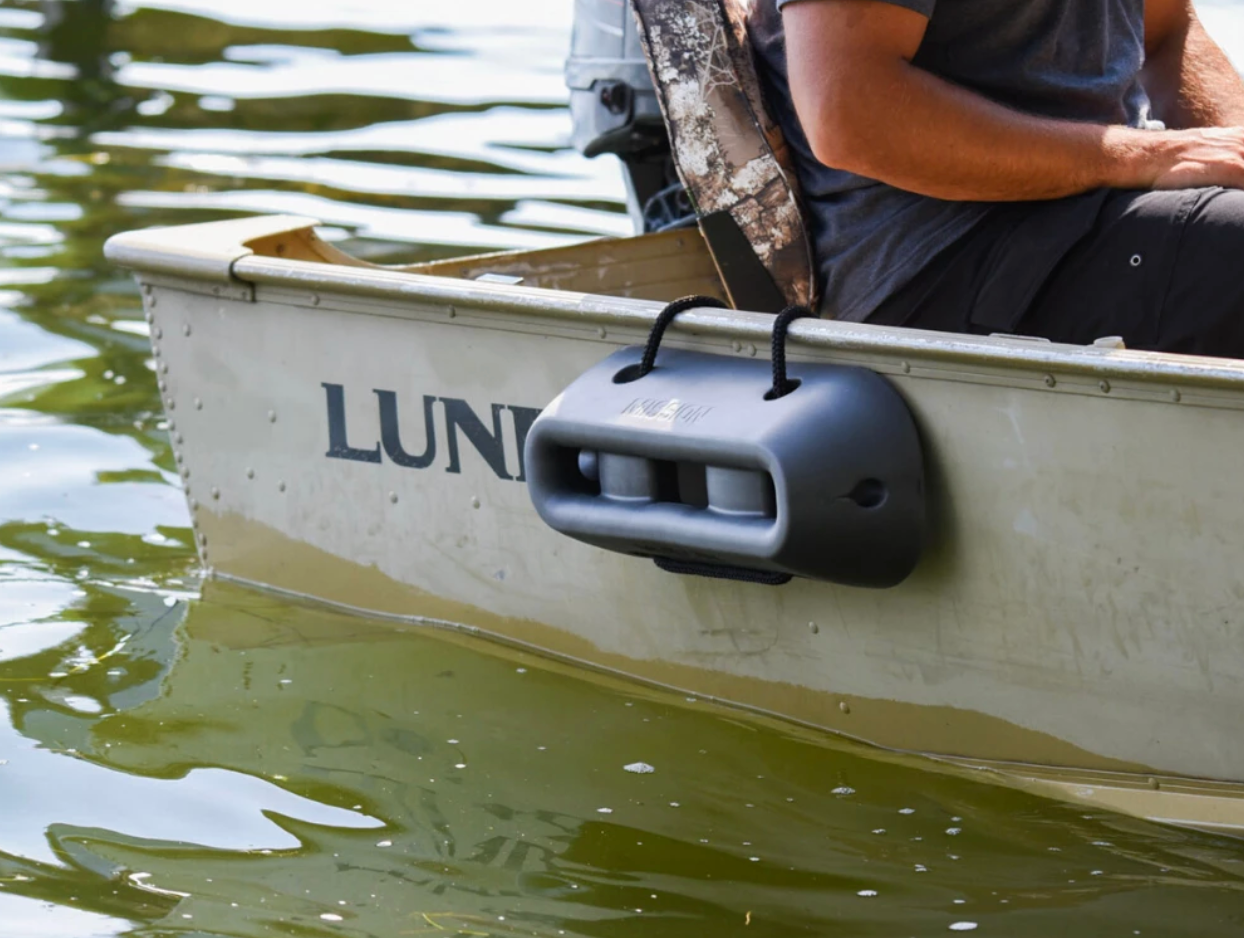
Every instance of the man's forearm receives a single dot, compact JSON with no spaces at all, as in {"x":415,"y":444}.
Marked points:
{"x":906,"y":127}
{"x":867,"y":109}
{"x":1192,"y":83}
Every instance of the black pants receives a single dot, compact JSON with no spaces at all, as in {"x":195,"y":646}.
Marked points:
{"x":1164,"y":270}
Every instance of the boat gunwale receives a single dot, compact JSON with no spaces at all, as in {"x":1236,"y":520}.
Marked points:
{"x":220,"y":255}
{"x":1091,"y":361}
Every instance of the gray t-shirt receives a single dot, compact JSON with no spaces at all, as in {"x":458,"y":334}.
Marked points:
{"x":1073,"y":59}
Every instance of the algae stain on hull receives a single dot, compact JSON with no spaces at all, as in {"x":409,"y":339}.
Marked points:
{"x":259,"y":556}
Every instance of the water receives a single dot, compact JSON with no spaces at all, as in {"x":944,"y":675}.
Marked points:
{"x":223,"y":764}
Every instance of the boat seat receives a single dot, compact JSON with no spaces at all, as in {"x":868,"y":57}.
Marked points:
{"x":729,"y":152}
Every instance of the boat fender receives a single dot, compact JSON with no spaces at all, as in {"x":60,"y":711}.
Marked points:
{"x":706,"y":465}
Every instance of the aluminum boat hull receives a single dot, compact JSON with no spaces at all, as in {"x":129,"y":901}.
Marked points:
{"x":352,"y":434}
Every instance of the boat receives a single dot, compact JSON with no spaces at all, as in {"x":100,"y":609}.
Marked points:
{"x":353,"y":434}
{"x":1068,"y":619}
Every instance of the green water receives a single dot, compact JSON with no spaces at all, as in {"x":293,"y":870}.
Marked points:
{"x":186,"y":760}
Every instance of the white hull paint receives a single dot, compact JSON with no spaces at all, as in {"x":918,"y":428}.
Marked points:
{"x":1076,"y":620}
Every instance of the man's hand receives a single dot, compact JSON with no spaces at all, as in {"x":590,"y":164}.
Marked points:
{"x":866,"y":109}
{"x":1198,"y":158}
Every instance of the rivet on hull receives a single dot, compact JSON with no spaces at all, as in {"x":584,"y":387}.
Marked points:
{"x":1105,"y":387}
{"x":215,"y":493}
{"x":272,"y":416}
{"x":198,"y":403}
{"x":393,"y":497}
{"x":1050,"y":381}
{"x":844,"y":706}
{"x":1176,"y":397}
{"x":813,"y":628}
{"x":250,"y":473}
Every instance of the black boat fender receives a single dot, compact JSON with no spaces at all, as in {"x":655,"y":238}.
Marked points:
{"x":711,"y":465}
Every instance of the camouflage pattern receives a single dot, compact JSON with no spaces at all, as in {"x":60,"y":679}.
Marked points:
{"x":730,"y":153}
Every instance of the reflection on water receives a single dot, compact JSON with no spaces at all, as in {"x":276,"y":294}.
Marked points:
{"x":233,"y":766}
{"x":246,"y":768}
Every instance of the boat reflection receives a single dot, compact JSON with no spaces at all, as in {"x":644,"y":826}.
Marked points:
{"x":239,"y":764}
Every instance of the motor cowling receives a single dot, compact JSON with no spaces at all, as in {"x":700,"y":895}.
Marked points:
{"x":697,"y":465}
{"x":613,"y":105}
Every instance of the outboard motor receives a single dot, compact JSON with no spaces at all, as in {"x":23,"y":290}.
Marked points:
{"x":614,"y":109}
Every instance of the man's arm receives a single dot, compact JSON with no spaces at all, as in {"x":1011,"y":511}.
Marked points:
{"x":867,"y":109}
{"x":1190,"y":81}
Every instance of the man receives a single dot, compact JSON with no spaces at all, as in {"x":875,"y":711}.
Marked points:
{"x":1063,"y":168}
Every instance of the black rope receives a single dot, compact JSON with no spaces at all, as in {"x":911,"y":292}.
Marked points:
{"x":782,"y":385}
{"x":665,"y":317}
{"x":721,"y":571}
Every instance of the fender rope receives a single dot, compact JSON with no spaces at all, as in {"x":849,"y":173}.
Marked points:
{"x":782,"y":385}
{"x":664,"y":318}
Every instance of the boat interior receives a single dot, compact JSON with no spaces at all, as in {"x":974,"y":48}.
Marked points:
{"x":659,"y":266}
